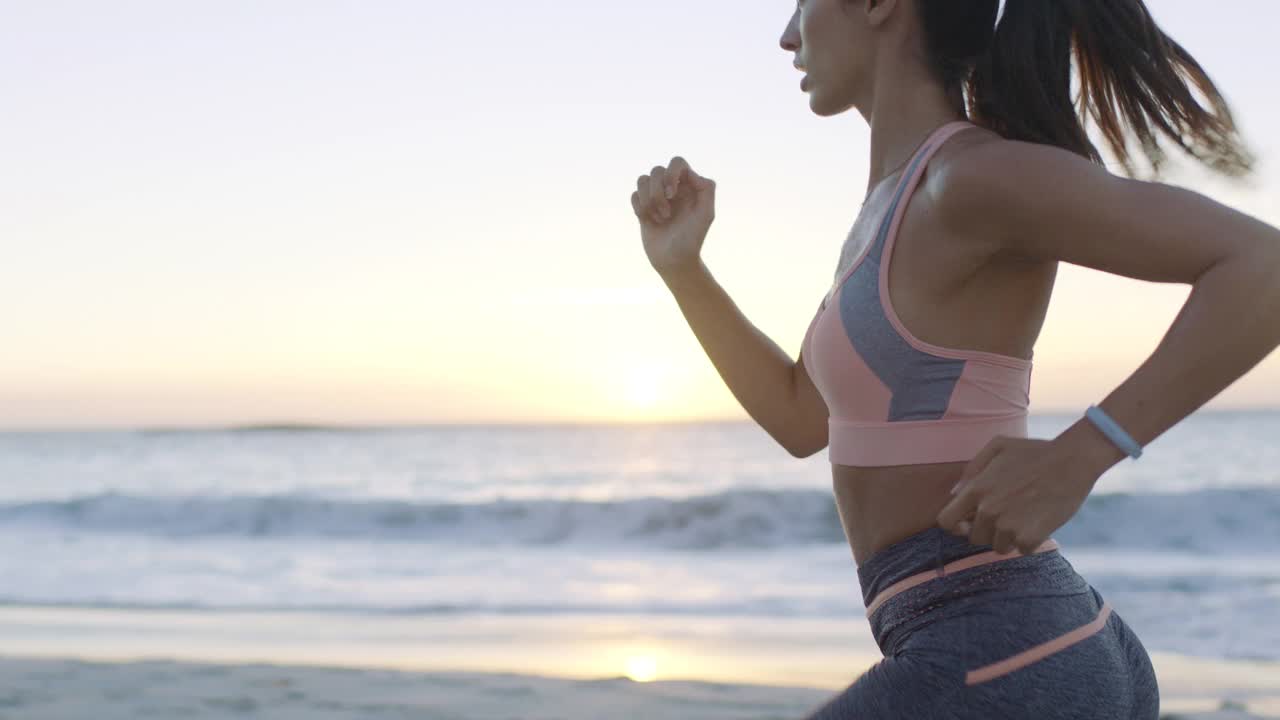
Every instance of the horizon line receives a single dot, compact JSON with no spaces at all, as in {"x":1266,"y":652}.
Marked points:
{"x":349,"y":427}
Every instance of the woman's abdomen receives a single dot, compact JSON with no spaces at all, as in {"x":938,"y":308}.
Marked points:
{"x":879,"y":506}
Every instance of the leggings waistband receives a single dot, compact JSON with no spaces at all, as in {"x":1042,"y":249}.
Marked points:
{"x":954,"y":566}
{"x":930,"y":553}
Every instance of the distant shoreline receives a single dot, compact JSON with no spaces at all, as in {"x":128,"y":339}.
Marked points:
{"x":300,"y":427}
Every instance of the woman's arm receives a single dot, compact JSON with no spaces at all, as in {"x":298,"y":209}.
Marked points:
{"x":772,"y":388}
{"x":1046,"y":203}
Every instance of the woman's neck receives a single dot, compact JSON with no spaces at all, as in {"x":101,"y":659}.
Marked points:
{"x":906,"y":106}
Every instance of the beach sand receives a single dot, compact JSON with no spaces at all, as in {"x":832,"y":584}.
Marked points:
{"x":68,"y":663}
{"x":49,"y":689}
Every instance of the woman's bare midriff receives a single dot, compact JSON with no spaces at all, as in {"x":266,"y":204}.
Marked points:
{"x":880,"y":506}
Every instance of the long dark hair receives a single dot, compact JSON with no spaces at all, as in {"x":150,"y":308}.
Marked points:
{"x":1016,"y":78}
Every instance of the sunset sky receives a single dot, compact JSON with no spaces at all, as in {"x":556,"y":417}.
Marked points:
{"x":233,"y":212}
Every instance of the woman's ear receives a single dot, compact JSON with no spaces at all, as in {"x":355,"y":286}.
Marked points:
{"x":879,"y":11}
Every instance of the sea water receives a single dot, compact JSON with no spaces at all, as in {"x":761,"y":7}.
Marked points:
{"x":701,"y":520}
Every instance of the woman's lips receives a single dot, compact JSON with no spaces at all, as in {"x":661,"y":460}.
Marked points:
{"x":804,"y":83}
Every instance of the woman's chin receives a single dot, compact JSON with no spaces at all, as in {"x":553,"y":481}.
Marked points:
{"x":822,"y":105}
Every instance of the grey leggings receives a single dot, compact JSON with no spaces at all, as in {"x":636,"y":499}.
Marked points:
{"x":1021,"y":637}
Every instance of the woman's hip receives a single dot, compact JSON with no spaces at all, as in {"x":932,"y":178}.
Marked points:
{"x":996,"y":657}
{"x":934,"y":577}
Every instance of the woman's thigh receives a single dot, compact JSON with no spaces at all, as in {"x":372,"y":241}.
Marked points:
{"x":901,"y":686}
{"x":1053,"y":657}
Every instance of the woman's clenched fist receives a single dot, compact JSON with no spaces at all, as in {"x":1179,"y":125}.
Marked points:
{"x":676,"y":207}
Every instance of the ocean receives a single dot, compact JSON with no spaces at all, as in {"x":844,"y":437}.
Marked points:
{"x":691,"y":522}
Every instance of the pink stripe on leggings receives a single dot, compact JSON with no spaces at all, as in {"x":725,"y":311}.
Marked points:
{"x":962,"y":564}
{"x":1039,"y":652}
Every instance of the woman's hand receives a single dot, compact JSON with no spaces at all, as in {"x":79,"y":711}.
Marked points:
{"x":676,"y":207}
{"x":1016,"y":492}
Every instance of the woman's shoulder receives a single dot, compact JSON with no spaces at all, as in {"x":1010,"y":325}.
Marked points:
{"x":978,"y":180}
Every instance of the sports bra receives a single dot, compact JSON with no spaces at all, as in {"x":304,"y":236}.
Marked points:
{"x":893,"y":398}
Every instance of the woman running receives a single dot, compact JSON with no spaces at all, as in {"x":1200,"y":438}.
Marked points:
{"x":915,"y":374}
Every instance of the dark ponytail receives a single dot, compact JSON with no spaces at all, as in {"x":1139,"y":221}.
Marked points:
{"x":1016,"y":78}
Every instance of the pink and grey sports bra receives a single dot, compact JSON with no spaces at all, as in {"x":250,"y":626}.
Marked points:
{"x":893,"y":398}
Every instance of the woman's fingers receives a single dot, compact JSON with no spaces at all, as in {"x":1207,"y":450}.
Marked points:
{"x":1004,"y":541}
{"x":984,"y":528}
{"x":643,"y":201}
{"x":678,"y":172}
{"x":636,"y":204}
{"x":658,"y":193}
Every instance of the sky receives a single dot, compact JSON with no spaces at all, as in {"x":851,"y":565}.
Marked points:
{"x":224,"y":212}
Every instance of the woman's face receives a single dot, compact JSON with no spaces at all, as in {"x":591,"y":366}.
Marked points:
{"x":833,"y":42}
